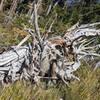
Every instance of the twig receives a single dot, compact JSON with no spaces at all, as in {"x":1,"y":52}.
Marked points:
{"x":54,"y":78}
{"x":49,"y":30}
{"x":50,"y":6}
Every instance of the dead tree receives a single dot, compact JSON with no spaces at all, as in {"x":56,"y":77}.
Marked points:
{"x":27,"y":62}
{"x":50,"y":58}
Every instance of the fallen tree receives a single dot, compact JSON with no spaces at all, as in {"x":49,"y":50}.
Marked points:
{"x":53,"y":58}
{"x":58,"y":58}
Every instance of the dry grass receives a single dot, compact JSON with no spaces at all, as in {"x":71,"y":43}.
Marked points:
{"x":87,"y":89}
{"x":11,"y":36}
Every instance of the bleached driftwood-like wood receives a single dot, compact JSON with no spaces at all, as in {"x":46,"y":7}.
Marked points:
{"x":37,"y":31}
{"x":27,"y":62}
{"x":89,"y":25}
{"x":12,"y":55}
{"x":1,"y":5}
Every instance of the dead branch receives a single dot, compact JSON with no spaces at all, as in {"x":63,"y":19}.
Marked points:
{"x":51,"y":6}
{"x":23,"y":41}
{"x":49,"y":30}
{"x":89,"y":25}
{"x":37,"y":31}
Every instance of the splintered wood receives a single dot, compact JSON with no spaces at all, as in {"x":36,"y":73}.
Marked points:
{"x":53,"y":58}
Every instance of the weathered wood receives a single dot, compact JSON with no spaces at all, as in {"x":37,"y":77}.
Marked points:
{"x":24,"y":40}
{"x":37,"y":31}
{"x":22,"y":62}
{"x":1,"y":5}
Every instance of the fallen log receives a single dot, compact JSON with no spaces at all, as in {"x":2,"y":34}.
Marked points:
{"x":28,"y":62}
